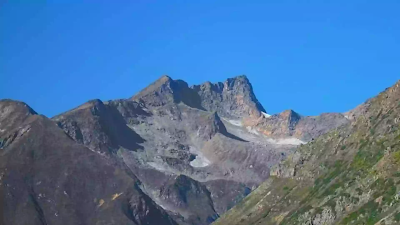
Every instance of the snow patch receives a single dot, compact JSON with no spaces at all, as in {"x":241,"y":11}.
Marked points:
{"x":157,"y":166}
{"x":162,"y":206}
{"x":266,"y":115}
{"x":200,"y":161}
{"x":286,"y":141}
{"x":237,"y":123}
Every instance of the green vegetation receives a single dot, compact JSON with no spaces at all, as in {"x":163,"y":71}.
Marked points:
{"x":397,"y":217}
{"x":295,"y":216}
{"x":396,"y":157}
{"x":397,"y":174}
{"x":331,"y":190}
{"x":286,"y":188}
{"x":368,"y":214}
{"x":331,"y":203}
{"x":363,"y":143}
{"x":364,"y":160}
{"x":333,"y":172}
{"x":385,"y":188}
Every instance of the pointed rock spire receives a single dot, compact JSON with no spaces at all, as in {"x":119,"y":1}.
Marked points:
{"x":233,"y":99}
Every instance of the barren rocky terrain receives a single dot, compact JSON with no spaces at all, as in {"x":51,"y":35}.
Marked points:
{"x":171,"y":154}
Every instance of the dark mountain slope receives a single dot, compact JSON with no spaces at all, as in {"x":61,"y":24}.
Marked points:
{"x":348,"y":176}
{"x":47,"y":178}
{"x":101,"y":127}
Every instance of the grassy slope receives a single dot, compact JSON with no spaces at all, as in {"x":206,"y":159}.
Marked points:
{"x":348,"y":176}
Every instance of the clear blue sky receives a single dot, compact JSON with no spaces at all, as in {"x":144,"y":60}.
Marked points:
{"x":309,"y":56}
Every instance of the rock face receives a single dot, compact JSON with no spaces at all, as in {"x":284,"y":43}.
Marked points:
{"x":170,"y":154}
{"x":232,"y":99}
{"x":291,"y":124}
{"x":190,"y":196}
{"x":47,"y":178}
{"x":102,"y":127}
{"x":13,"y":113}
{"x":165,"y":91}
{"x":349,"y":175}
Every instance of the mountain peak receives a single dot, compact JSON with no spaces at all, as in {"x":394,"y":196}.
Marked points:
{"x":240,"y":77}
{"x":165,"y":90}
{"x":13,"y":113}
{"x":289,"y":113}
{"x":16,"y":106}
{"x":233,"y":98}
{"x":93,"y":105}
{"x":157,"y":93}
{"x":94,"y":102}
{"x":164,"y":78}
{"x":241,"y":80}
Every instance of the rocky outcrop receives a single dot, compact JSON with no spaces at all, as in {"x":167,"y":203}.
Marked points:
{"x":191,"y":198}
{"x":165,"y":91}
{"x":13,"y":114}
{"x":291,"y":124}
{"x":311,"y":127}
{"x":102,"y":127}
{"x":280,"y":125}
{"x":232,"y":99}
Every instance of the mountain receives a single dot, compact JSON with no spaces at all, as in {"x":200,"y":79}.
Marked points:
{"x":172,"y":153}
{"x":349,"y":175}
{"x":232,"y":99}
{"x":291,"y":124}
{"x":47,"y":178}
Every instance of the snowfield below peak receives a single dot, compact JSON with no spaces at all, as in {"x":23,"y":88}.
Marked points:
{"x":286,"y":141}
{"x":200,"y":161}
{"x":237,"y":123}
{"x":266,"y":115}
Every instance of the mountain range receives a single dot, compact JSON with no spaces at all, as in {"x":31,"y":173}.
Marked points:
{"x":189,"y":155}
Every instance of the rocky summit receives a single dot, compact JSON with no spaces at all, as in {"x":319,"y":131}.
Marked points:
{"x":180,"y":154}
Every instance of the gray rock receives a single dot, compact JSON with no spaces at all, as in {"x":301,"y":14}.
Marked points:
{"x":232,"y":99}
{"x":184,"y":154}
{"x":47,"y":178}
